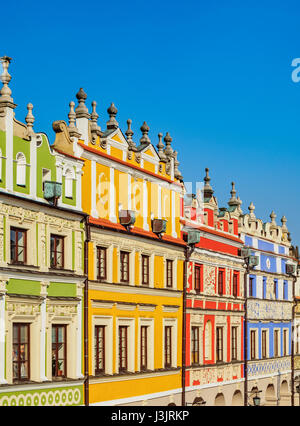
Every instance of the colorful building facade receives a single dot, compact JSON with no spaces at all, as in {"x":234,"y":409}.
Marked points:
{"x":41,"y":265}
{"x":269,"y":306}
{"x":132,"y":193}
{"x":215,"y":302}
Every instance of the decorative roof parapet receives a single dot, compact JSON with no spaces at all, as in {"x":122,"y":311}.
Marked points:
{"x":81,"y":110}
{"x":177,"y":173}
{"x":112,"y":112}
{"x":234,"y":201}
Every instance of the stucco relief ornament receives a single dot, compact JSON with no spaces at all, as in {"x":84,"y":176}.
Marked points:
{"x":209,"y":280}
{"x":268,"y":263}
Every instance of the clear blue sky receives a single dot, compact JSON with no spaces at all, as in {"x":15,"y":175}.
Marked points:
{"x":216,"y":74}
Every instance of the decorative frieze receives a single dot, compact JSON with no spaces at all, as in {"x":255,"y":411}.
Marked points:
{"x":266,"y":310}
{"x":268,"y":367}
{"x":215,"y":374}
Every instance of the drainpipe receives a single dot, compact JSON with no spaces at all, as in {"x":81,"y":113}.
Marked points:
{"x":86,"y":318}
{"x":186,"y":255}
{"x":247,"y":271}
{"x":293,"y":344}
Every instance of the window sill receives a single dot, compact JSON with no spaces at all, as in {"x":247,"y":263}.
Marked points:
{"x":16,"y":264}
{"x":52,"y":269}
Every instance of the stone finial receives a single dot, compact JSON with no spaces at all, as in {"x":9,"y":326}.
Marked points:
{"x":234,"y":200}
{"x":177,"y":173}
{"x":5,"y":77}
{"x":273,"y":217}
{"x":73,"y":131}
{"x":95,"y":129}
{"x":129,"y":134}
{"x":284,"y":221}
{"x":160,"y":147}
{"x":208,"y":191}
{"x":30,"y":119}
{"x":168,"y":149}
{"x":145,"y":130}
{"x":81,"y":110}
{"x":94,"y":117}
{"x":112,"y":112}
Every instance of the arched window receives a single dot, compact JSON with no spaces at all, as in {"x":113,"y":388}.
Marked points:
{"x":69,"y":176}
{"x":21,"y":169}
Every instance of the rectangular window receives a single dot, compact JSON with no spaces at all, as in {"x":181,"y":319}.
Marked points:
{"x":57,"y":252}
{"x":101,"y":263}
{"x":21,"y":352}
{"x":219,"y":345}
{"x":285,"y":340}
{"x":144,"y":347}
{"x":124,"y":264}
{"x":234,"y":343}
{"x":169,"y":273}
{"x":264,"y":344}
{"x":253,"y":344}
{"x":168,"y":346}
{"x":59,"y":351}
{"x":251,"y":286}
{"x":195,"y":345}
{"x":220,"y":282}
{"x":275,"y":289}
{"x":145,"y":270}
{"x":197,"y":278}
{"x":99,"y":349}
{"x":276,"y":342}
{"x":235,"y":285}
{"x":123,"y":348}
{"x":18,"y":245}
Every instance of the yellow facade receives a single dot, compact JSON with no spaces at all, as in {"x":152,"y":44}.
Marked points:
{"x":118,"y":177}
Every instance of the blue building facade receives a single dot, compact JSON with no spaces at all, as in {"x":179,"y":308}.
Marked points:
{"x":269,"y":303}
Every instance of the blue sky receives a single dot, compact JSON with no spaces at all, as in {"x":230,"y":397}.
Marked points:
{"x":215,"y":74}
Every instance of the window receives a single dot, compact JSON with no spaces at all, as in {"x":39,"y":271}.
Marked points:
{"x":169,"y":273}
{"x":252,"y":344}
{"x":144,"y":347}
{"x":59,"y":351}
{"x":21,"y":169}
{"x":145,"y":270}
{"x":276,"y":342}
{"x":275,"y":289}
{"x":195,"y":345}
{"x":251,"y":286}
{"x":46,"y":176}
{"x":21,"y":352}
{"x":57,"y":252}
{"x":124,"y":264}
{"x":285,"y":340}
{"x":264,"y":344}
{"x":234,"y":343}
{"x":99,"y":349}
{"x":168,"y":346}
{"x":18,"y":245}
{"x":123,"y":349}
{"x":235,"y":284}
{"x":297,"y":337}
{"x":285,"y":290}
{"x":101,"y":263}
{"x":197,"y":278}
{"x":219,"y":345}
{"x":220,"y":282}
{"x":69,"y":184}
